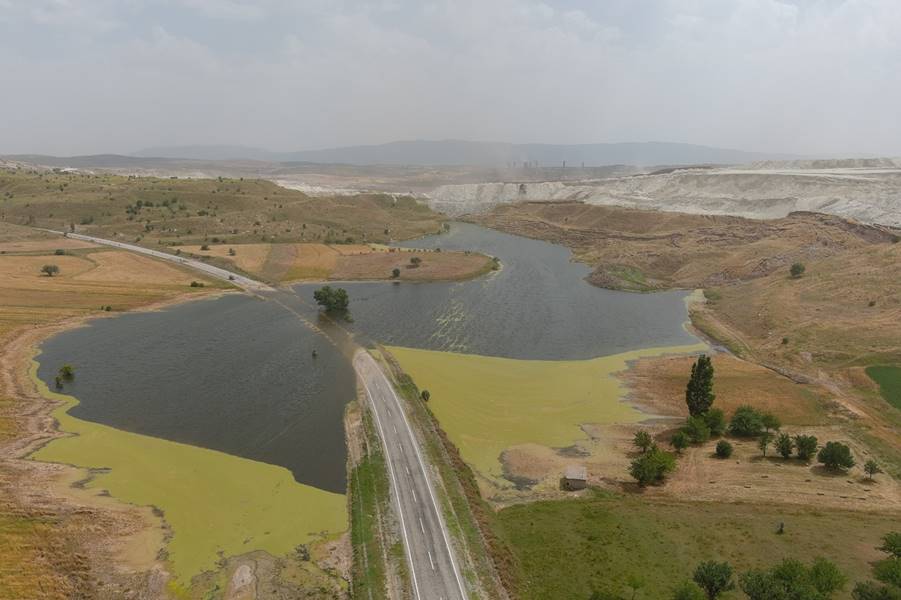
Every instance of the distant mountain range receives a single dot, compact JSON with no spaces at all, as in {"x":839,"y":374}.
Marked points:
{"x":483,"y":154}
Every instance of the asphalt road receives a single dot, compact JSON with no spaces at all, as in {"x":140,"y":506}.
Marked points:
{"x":434,"y":570}
{"x":246,"y":283}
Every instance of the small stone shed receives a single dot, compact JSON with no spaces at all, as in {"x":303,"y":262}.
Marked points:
{"x":575,"y":478}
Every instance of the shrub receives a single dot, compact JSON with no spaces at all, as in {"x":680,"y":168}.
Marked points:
{"x":746,"y":422}
{"x":784,"y":445}
{"x":836,"y":456}
{"x":205,"y":247}
{"x":197,"y":284}
{"x":642,"y":440}
{"x":652,"y":466}
{"x":806,"y":445}
{"x":697,"y":430}
{"x":797,"y":270}
{"x":723,"y":449}
{"x":50,"y":270}
{"x":395,"y":273}
{"x":425,"y":395}
{"x":679,"y":441}
{"x":716,"y":421}
{"x":59,"y":252}
{"x":714,"y":578}
{"x":687,"y":590}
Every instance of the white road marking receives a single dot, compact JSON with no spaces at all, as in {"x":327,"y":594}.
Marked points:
{"x":407,"y":469}
{"x":395,"y":429}
{"x":431,"y":562}
{"x":421,"y":526}
{"x":403,"y":527}
{"x":414,"y":494}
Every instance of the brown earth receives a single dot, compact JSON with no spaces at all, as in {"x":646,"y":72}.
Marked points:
{"x":288,"y":263}
{"x":799,"y":344}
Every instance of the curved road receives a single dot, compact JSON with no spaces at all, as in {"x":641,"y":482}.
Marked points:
{"x":434,"y":570}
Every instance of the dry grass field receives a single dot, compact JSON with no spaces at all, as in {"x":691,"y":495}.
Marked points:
{"x":156,"y":211}
{"x":50,"y":547}
{"x":292,"y":262}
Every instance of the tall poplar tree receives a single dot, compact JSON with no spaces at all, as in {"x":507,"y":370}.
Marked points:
{"x":699,"y":394}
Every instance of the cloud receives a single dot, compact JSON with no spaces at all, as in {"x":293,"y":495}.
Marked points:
{"x":102,"y":75}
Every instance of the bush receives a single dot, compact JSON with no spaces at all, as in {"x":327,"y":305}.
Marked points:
{"x":746,"y":422}
{"x":723,"y":449}
{"x":197,"y":284}
{"x":792,"y":579}
{"x":784,"y":445}
{"x":836,"y":456}
{"x":50,"y":270}
{"x":205,"y":247}
{"x":642,"y":440}
{"x":797,"y":270}
{"x":395,"y":273}
{"x":59,"y":252}
{"x":806,"y":445}
{"x":680,"y":441}
{"x":696,"y":430}
{"x":716,"y":421}
{"x":687,"y":590}
{"x":714,"y":578}
{"x":652,"y":466}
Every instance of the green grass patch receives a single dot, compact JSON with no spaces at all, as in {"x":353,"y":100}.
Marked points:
{"x":487,"y":404}
{"x":215,"y":503}
{"x":369,"y":499}
{"x":571,"y":548}
{"x":889,"y":380}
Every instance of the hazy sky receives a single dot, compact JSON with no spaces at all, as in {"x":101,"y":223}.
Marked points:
{"x":802,"y":76}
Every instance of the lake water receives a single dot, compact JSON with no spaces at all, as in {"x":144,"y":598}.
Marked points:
{"x":236,"y":374}
{"x":538,"y":306}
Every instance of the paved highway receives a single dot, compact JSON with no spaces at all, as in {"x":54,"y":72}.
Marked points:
{"x":434,"y":571}
{"x":241,"y":281}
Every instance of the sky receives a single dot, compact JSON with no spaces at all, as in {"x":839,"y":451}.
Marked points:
{"x":803,"y":76}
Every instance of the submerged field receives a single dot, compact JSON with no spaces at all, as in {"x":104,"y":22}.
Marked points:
{"x":216,"y":504}
{"x":488,"y":404}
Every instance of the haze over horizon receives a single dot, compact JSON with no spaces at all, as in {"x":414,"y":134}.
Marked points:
{"x":100,"y":76}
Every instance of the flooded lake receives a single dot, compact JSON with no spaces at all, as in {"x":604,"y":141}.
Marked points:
{"x":236,"y":374}
{"x":538,"y":306}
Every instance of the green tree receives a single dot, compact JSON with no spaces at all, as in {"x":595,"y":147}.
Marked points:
{"x":797,"y":269}
{"x":714,"y":578}
{"x":770,"y":422}
{"x":746,"y":422}
{"x":333,"y":300}
{"x":784,"y":445}
{"x":723,"y":449}
{"x":696,"y":429}
{"x":652,"y":466}
{"x":888,"y":571}
{"x":871,"y":467}
{"x":699,"y":394}
{"x":806,"y":445}
{"x":642,"y":440}
{"x":716,"y":421}
{"x":687,"y":590}
{"x":395,"y":273}
{"x":870,"y":590}
{"x":763,"y":441}
{"x":50,"y":270}
{"x":679,"y":441}
{"x":67,"y":372}
{"x":836,"y":456}
{"x":792,"y":580}
{"x":891,"y":544}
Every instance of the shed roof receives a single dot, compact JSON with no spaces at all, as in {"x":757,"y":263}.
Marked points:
{"x":576,"y":472}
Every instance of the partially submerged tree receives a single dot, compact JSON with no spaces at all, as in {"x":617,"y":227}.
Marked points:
{"x":699,"y":394}
{"x":67,"y":372}
{"x":333,"y":300}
